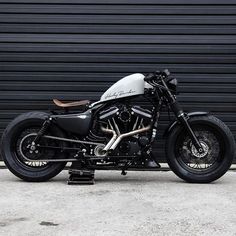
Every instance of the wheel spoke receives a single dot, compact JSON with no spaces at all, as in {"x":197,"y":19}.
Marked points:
{"x":189,"y":156}
{"x":24,"y":149}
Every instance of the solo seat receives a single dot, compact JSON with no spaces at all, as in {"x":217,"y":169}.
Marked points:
{"x":71,"y":104}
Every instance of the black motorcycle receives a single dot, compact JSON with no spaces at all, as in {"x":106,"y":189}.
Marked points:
{"x":118,"y":133}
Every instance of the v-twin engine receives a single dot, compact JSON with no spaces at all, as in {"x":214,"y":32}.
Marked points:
{"x":125,"y":124}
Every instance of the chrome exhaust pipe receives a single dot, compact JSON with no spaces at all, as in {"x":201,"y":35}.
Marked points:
{"x":113,"y":139}
{"x":131,"y":133}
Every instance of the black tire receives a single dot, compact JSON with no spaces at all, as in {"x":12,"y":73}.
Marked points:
{"x":223,"y":150}
{"x":11,"y":156}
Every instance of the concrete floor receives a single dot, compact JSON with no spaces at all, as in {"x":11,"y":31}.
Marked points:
{"x":141,"y":203}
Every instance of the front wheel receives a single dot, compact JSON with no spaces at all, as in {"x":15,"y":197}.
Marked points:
{"x":217,"y":142}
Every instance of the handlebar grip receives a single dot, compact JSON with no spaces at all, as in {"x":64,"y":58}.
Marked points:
{"x":157,"y":72}
{"x":149,"y":77}
{"x":166,"y":72}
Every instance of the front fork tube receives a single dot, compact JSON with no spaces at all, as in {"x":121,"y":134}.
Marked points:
{"x":184,"y":121}
{"x":182,"y":118}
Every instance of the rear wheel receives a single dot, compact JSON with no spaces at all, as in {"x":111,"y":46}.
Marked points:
{"x":16,"y":153}
{"x":217,"y":142}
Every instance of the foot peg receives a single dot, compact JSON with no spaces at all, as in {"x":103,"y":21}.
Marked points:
{"x":81,"y":176}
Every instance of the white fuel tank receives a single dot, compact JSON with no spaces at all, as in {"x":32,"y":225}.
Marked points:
{"x":128,"y":86}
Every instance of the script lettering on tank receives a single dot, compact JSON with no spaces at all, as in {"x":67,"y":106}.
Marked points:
{"x":119,"y":94}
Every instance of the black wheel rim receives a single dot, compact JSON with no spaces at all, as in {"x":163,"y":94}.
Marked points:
{"x":212,"y":143}
{"x":17,"y":153}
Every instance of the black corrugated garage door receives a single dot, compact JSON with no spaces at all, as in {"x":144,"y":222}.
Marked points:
{"x":75,"y":49}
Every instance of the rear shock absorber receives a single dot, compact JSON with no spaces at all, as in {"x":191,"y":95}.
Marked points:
{"x":42,"y":131}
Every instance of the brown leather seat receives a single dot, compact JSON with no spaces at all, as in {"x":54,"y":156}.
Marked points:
{"x":71,"y":104}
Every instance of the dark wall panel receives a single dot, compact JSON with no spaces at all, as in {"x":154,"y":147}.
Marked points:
{"x":75,"y":49}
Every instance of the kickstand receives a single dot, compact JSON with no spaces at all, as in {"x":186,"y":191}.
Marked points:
{"x":80,"y":175}
{"x":125,"y":167}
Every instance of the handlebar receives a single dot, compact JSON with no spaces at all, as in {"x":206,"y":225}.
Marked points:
{"x":154,"y":76}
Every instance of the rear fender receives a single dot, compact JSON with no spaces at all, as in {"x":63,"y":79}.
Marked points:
{"x":176,"y":122}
